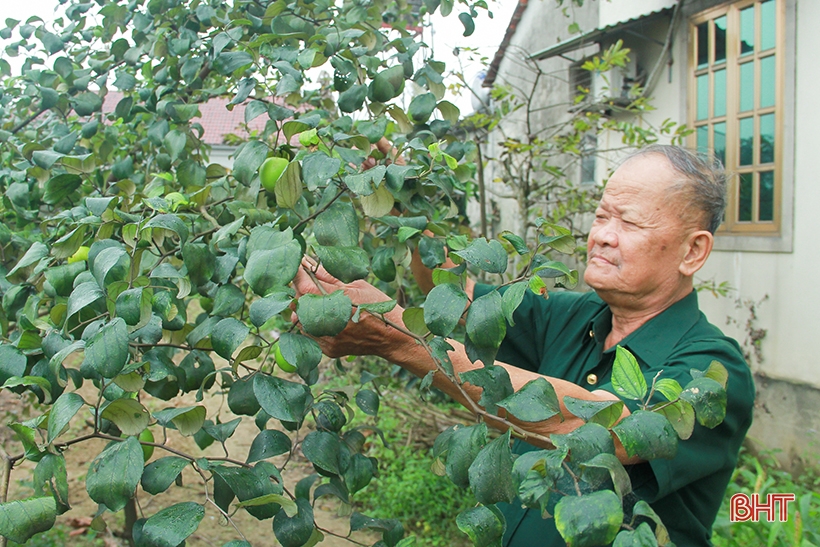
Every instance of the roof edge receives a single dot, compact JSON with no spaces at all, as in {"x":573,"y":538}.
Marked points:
{"x":492,"y":72}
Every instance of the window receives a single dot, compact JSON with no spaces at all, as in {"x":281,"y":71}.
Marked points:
{"x":735,"y":107}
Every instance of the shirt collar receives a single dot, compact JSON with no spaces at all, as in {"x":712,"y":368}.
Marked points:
{"x":654,"y":340}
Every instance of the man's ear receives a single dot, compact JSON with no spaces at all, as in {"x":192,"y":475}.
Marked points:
{"x":696,"y":250}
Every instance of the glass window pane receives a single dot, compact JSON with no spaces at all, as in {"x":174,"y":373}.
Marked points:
{"x":744,"y":205}
{"x":720,"y":142}
{"x":703,"y":44}
{"x":703,"y":97}
{"x":747,"y":137}
{"x":747,"y":30}
{"x":703,"y":139}
{"x":768,"y":25}
{"x":766,"y":193}
{"x":767,"y":138}
{"x":767,"y":81}
{"x":747,"y":86}
{"x":720,"y":93}
{"x":720,"y":39}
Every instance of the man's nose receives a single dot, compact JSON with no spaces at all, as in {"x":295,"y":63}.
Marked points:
{"x":605,"y":234}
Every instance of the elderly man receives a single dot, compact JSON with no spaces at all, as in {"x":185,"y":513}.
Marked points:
{"x":652,"y":231}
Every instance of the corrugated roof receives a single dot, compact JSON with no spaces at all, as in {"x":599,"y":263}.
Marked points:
{"x":594,"y":36}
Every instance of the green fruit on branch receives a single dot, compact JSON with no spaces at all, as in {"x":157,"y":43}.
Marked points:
{"x":270,"y":172}
{"x":281,"y":361}
{"x":81,"y":254}
{"x":147,"y":450}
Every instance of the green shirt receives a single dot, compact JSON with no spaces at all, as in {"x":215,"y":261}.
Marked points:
{"x":563,"y":336}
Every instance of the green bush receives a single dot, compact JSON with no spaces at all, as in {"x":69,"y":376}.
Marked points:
{"x":762,"y":475}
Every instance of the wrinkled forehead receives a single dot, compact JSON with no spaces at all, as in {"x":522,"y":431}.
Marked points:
{"x":643,"y":177}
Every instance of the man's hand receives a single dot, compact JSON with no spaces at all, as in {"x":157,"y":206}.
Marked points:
{"x":370,"y":336}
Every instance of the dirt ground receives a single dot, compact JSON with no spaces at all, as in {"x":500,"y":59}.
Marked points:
{"x":214,"y":530}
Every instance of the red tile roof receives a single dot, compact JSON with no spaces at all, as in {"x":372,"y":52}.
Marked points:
{"x":216,"y":119}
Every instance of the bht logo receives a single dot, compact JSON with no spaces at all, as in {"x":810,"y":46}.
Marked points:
{"x":743,"y":507}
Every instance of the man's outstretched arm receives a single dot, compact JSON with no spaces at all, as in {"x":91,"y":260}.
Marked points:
{"x":372,"y":336}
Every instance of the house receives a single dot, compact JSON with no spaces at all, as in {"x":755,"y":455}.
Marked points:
{"x":741,"y":74}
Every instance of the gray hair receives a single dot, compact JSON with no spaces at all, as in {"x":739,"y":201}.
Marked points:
{"x":703,"y":186}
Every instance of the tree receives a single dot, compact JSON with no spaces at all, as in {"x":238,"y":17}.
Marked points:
{"x":117,"y":232}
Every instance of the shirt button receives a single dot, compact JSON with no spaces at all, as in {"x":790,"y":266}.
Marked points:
{"x":591,"y":334}
{"x":592,"y":379}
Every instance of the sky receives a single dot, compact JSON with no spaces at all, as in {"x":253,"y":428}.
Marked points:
{"x":445,"y":37}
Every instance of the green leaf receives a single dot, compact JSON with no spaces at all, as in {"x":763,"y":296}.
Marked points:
{"x":490,"y":473}
{"x":22,"y":519}
{"x":642,"y":536}
{"x":413,"y":319}
{"x":169,"y":222}
{"x":605,"y":413}
{"x":288,"y":188}
{"x":36,"y":252}
{"x":379,"y":203}
{"x":449,"y":111}
{"x":443,"y":308}
{"x":188,"y":420}
{"x":552,"y":269}
{"x":294,"y":531}
{"x":248,"y":161}
{"x":63,"y":409}
{"x":392,"y":528}
{"x":323,"y":449}
{"x":708,"y":399}
{"x":669,"y":388}
{"x":267,"y":444}
{"x":561,"y":243}
{"x":229,"y":61}
{"x":589,"y":520}
{"x":273,"y":268}
{"x":287,"y":504}
{"x":60,"y":187}
{"x":303,"y":352}
{"x":627,"y":379}
{"x":495,"y":383}
{"x":128,"y":415}
{"x":83,"y":295}
{"x":262,"y":310}
{"x":12,"y":362}
{"x":87,"y":103}
{"x":293,"y":127}
{"x":111,"y":264}
{"x":534,"y":402}
{"x":228,"y":335}
{"x":512,"y":299}
{"x":465,"y":444}
{"x":322,"y":315}
{"x":337,"y":226}
{"x":51,"y":479}
{"x":619,"y":476}
{"x":160,"y":474}
{"x":318,"y":169}
{"x":643,"y":509}
{"x":489,"y":256}
{"x":352,"y":99}
{"x":344,"y":263}
{"x":368,"y":401}
{"x":364,"y":184}
{"x":718,"y":373}
{"x":171,"y":526}
{"x":585,"y":442}
{"x":682,"y":417}
{"x":114,"y":474}
{"x":486,"y":327}
{"x":175,"y":142}
{"x":647,"y":435}
{"x":421,"y":107}
{"x":281,"y":399}
{"x":229,"y":299}
{"x":221,"y":432}
{"x":467,"y":21}
{"x":107,"y":351}
{"x":248,"y":484}
{"x":484,"y":526}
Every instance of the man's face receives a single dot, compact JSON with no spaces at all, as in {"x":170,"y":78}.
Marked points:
{"x":636,"y":243}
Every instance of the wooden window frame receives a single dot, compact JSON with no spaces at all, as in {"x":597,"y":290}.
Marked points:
{"x":732,"y":225}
